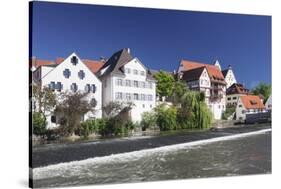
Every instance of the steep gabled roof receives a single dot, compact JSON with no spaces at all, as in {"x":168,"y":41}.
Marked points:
{"x":236,"y":88}
{"x":116,"y":61}
{"x":224,"y":72}
{"x":214,"y":73}
{"x":193,"y":74}
{"x":39,"y":62}
{"x":252,"y":102}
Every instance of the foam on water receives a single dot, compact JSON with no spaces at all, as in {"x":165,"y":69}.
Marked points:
{"x":64,"y":169}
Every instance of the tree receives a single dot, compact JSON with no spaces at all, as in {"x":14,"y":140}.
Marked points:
{"x":165,"y":83}
{"x":262,"y":89}
{"x":113,"y":108}
{"x":179,"y":89}
{"x":38,"y":124}
{"x":72,"y":107}
{"x":45,"y":99}
{"x":166,"y":117}
{"x":148,"y":120}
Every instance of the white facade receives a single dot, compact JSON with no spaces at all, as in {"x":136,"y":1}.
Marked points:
{"x":268,"y":103}
{"x":133,"y":87}
{"x":217,"y":104}
{"x":240,"y":110}
{"x":72,"y":77}
{"x":232,"y":99}
{"x":230,"y":78}
{"x":217,"y":63}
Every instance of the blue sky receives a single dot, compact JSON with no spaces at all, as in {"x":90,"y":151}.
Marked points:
{"x":159,"y":38}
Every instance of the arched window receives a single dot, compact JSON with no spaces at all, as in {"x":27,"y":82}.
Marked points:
{"x":81,"y":74}
{"x":74,"y":87}
{"x":74,"y":60}
{"x":66,"y":73}
{"x":94,"y":88}
{"x":88,"y":88}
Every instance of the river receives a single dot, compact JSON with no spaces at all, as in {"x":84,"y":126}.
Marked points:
{"x":239,"y":154}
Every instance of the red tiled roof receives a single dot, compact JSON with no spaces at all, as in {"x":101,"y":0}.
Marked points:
{"x":59,"y":60}
{"x":252,"y":102}
{"x":38,"y":62}
{"x":237,"y":88}
{"x":213,"y":71}
{"x":93,"y":65}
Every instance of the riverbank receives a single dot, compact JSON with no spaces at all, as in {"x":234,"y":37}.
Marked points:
{"x":58,"y":153}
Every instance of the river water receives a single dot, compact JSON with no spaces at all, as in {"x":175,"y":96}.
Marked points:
{"x":241,"y":154}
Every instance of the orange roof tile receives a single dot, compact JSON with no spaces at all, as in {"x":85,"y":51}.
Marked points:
{"x":213,"y":71}
{"x":252,"y":102}
{"x":39,"y":62}
{"x":93,"y":65}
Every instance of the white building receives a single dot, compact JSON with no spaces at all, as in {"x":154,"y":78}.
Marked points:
{"x":73,"y":75}
{"x":229,"y":76}
{"x":126,"y":79}
{"x":234,"y":92}
{"x":208,"y":79}
{"x":248,"y":104}
{"x":268,"y":103}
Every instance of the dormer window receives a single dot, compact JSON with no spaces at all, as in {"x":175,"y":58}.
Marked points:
{"x":88,"y":88}
{"x":253,"y":102}
{"x":81,"y":74}
{"x":74,"y":87}
{"x":66,"y":73}
{"x":74,"y":60}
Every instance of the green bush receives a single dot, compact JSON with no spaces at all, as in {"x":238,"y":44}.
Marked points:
{"x":88,"y":127}
{"x":39,"y":124}
{"x":148,"y":120}
{"x":166,"y":118}
{"x":228,"y":112}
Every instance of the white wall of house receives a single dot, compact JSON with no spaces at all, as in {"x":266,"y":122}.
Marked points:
{"x":232,"y":99}
{"x":240,"y":111}
{"x":127,"y":88}
{"x":230,"y":78}
{"x":57,"y":75}
{"x":268,"y":103}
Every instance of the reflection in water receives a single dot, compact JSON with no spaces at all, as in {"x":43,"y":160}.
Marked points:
{"x":247,"y":155}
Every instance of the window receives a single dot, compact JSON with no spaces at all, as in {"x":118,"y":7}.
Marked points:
{"x":119,"y":82}
{"x":59,"y":86}
{"x":149,"y":97}
{"x":118,"y":96}
{"x":150,"y":85}
{"x":143,"y":97}
{"x":234,"y":98}
{"x":74,"y":60}
{"x":74,"y":87}
{"x":219,"y":106}
{"x":143,"y":106}
{"x":243,"y":111}
{"x":128,"y":83}
{"x":136,"y":84}
{"x":52,"y":85}
{"x":66,"y":73}
{"x":136,"y":72}
{"x":136,"y":96}
{"x":240,"y":105}
{"x":81,"y":74}
{"x":143,"y":84}
{"x":88,"y":88}
{"x":150,"y":105}
{"x":93,"y":102}
{"x":128,"y":96}
{"x":127,"y":70}
{"x":94,"y":88}
{"x":228,"y":98}
{"x":142,"y":73}
{"x":53,"y":119}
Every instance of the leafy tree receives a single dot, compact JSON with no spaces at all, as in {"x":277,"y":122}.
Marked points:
{"x":194,"y":112}
{"x":72,"y":107}
{"x":262,"y":89}
{"x":166,"y":118}
{"x":148,"y":120}
{"x":45,"y":99}
{"x":38,"y":124}
{"x":179,"y":89}
{"x":165,"y":83}
{"x":115,"y":107}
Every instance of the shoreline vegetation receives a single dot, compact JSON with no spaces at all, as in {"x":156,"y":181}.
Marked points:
{"x":178,"y":109}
